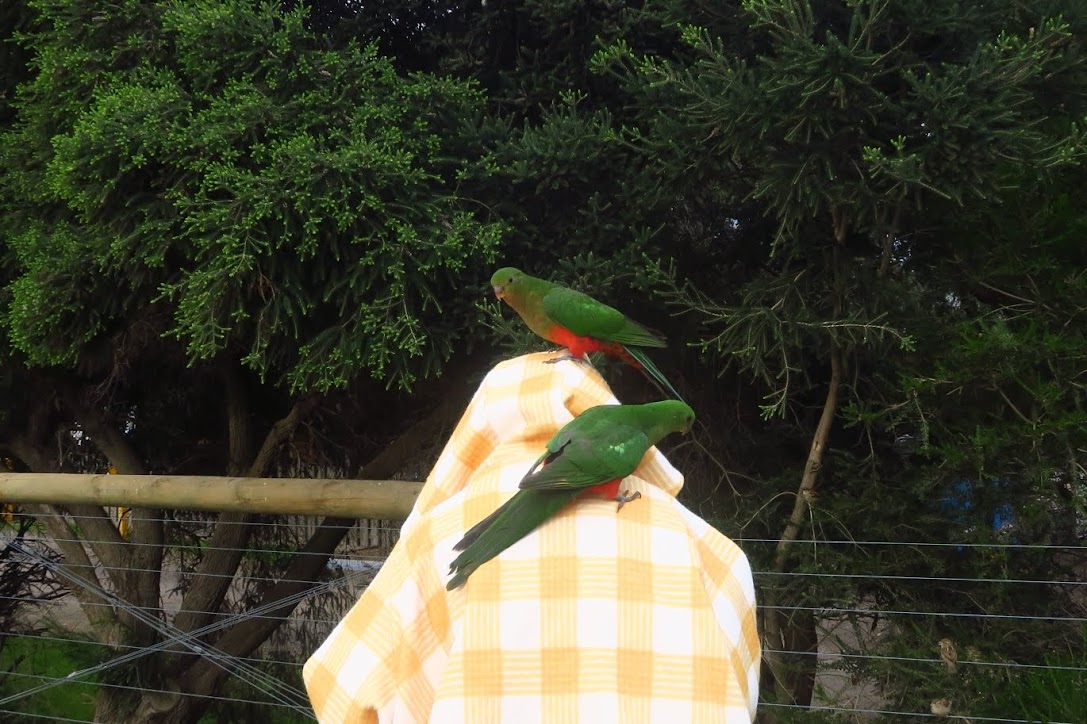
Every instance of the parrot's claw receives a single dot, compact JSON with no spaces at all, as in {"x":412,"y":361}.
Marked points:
{"x":568,"y":356}
{"x":555,"y":360}
{"x":626,"y":497}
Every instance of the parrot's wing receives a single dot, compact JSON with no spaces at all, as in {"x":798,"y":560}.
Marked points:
{"x":583,"y":315}
{"x":555,"y":447}
{"x":585,"y":461}
{"x":591,"y":422}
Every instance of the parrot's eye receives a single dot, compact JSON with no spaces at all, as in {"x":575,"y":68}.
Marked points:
{"x":510,"y":280}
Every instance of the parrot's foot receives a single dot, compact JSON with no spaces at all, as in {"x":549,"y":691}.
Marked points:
{"x":555,"y":360}
{"x":626,"y":497}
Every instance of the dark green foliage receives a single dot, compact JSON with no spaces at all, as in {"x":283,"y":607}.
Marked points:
{"x":286,"y":200}
{"x":321,"y":193}
{"x":885,"y":175}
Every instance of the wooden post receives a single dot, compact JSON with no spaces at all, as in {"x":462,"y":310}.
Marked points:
{"x":380,"y":499}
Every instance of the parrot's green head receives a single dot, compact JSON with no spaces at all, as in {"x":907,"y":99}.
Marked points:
{"x":507,"y":281}
{"x":672,"y":416}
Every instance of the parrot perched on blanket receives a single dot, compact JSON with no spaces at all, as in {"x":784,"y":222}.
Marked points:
{"x":578,"y":322}
{"x":591,"y":453}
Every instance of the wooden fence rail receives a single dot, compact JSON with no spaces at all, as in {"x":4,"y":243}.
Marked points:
{"x":377,"y":499}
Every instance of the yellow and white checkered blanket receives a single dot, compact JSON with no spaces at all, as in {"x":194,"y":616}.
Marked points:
{"x":647,"y":615}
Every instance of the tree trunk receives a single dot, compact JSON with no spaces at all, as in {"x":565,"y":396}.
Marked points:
{"x":215,"y":572}
{"x":139,"y":572}
{"x":143,"y":558}
{"x":781,"y":631}
{"x":195,"y":677}
{"x":306,"y":567}
{"x":795,"y":630}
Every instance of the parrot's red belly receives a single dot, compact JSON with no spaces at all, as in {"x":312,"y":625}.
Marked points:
{"x":609,"y":489}
{"x":581,"y":345}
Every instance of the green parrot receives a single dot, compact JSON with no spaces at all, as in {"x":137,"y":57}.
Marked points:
{"x":591,"y":453}
{"x":579,"y":322}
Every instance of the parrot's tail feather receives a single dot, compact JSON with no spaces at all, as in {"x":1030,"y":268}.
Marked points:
{"x":459,"y":579}
{"x":653,"y":374}
{"x":515,"y":519}
{"x":476,"y":530}
{"x":656,"y":335}
{"x":642,"y":336}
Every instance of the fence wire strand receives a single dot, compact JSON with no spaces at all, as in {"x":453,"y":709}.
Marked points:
{"x":924,"y":715}
{"x":149,"y":690}
{"x":273,"y":687}
{"x":43,"y":717}
{"x":349,"y":569}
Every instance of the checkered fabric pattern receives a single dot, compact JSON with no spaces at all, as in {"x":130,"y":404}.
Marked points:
{"x":647,"y":615}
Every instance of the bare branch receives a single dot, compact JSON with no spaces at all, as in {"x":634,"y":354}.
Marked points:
{"x":888,"y":241}
{"x":813,"y":466}
{"x":281,"y":432}
{"x":144,"y":556}
{"x":773,"y":632}
{"x":305,"y":567}
{"x":240,"y":435}
{"x":76,"y":561}
{"x":102,"y":535}
{"x":219,"y":564}
{"x":1015,"y":409}
{"x":779,"y":637}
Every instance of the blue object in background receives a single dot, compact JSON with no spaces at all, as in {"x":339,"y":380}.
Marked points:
{"x":961,"y":499}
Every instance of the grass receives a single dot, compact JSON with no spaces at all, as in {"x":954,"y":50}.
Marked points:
{"x":29,"y":657}
{"x":1045,"y":695}
{"x":225,"y":711}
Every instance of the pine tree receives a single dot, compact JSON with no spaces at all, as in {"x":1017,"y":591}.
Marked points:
{"x":856,"y":129}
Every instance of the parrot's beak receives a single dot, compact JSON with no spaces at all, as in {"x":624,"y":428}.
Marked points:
{"x":499,"y":290}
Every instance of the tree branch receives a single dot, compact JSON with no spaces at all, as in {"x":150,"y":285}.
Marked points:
{"x":100,"y":533}
{"x":888,"y":241}
{"x":144,"y":555}
{"x":813,"y":466}
{"x":76,"y":561}
{"x":306,"y":567}
{"x":773,"y":616}
{"x":839,"y":220}
{"x":78,"y":564}
{"x":225,"y":549}
{"x":281,"y":432}
{"x":240,"y":434}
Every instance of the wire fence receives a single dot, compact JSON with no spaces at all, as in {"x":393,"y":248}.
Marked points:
{"x":56,"y":664}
